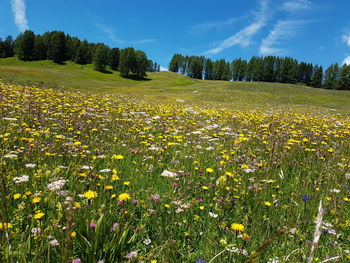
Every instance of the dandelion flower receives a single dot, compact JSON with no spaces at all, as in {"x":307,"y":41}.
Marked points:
{"x":209,"y":170}
{"x":124,"y":197}
{"x":90,"y":194}
{"x":237,"y":227}
{"x":39,"y":215}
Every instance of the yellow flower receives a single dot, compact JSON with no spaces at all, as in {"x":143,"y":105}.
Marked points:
{"x":77,"y":143}
{"x":108,"y":187}
{"x":167,"y":206}
{"x":16,"y":196}
{"x":153,"y":261}
{"x":117,"y":157}
{"x":4,"y":226}
{"x":245,"y":236}
{"x":36,"y":200}
{"x":73,"y":234}
{"x":126,"y":183}
{"x":237,"y":227}
{"x":39,"y":215}
{"x":209,"y":170}
{"x":201,"y":207}
{"x":267,"y":203}
{"x":124,"y":197}
{"x":90,"y":194}
{"x":205,"y":187}
{"x":115,"y":177}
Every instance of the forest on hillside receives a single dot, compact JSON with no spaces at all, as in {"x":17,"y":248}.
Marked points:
{"x":265,"y":68}
{"x":60,"y":47}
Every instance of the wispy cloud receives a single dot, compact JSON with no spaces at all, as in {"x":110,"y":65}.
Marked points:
{"x":282,"y":30}
{"x":244,"y":36}
{"x":112,"y":36}
{"x":347,"y":61}
{"x":346,"y":39}
{"x":296,"y":5}
{"x":19,"y":11}
{"x":204,"y":27}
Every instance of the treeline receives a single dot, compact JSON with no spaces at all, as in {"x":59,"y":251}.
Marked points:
{"x":265,"y":68}
{"x":60,"y":47}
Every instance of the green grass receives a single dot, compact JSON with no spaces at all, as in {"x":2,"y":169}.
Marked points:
{"x":169,"y":87}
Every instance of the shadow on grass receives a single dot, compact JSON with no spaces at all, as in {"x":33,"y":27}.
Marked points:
{"x":134,"y":77}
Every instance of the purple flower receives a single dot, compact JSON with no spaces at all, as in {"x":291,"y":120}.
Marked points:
{"x":92,"y":224}
{"x":76,"y":260}
{"x":200,"y":260}
{"x":306,"y":198}
{"x":132,"y":254}
{"x":114,"y":227}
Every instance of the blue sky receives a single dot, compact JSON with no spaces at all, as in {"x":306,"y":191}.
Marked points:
{"x":316,"y":31}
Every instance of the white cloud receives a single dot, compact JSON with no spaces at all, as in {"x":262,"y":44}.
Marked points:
{"x":111,"y":35}
{"x":19,"y":11}
{"x":346,"y":39}
{"x":163,"y":69}
{"x":296,"y":5}
{"x":202,"y":28}
{"x":243,"y":37}
{"x":282,"y":30}
{"x":347,"y":61}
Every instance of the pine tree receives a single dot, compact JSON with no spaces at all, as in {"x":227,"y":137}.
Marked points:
{"x":127,"y":61}
{"x":25,"y":45}
{"x":140,"y":64}
{"x":82,"y":56}
{"x":113,"y":58}
{"x":40,"y":48}
{"x":100,"y":59}
{"x":317,"y":77}
{"x":195,"y":68}
{"x":208,"y":75}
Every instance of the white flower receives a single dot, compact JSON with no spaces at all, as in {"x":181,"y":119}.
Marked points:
{"x":147,"y":241}
{"x":22,"y":179}
{"x":10,"y":119}
{"x":179,"y":210}
{"x":30,"y":165}
{"x":11,"y":156}
{"x":169,"y":174}
{"x":57,"y":185}
{"x":86,"y":167}
{"x":347,"y":176}
{"x":105,"y":170}
{"x":213,"y":214}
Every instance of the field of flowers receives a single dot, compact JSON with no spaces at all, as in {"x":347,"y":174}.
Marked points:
{"x":92,"y":178}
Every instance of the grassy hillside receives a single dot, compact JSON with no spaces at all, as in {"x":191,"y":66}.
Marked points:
{"x":167,"y":86}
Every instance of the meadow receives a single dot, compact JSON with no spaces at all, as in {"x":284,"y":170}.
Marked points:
{"x":132,"y":171}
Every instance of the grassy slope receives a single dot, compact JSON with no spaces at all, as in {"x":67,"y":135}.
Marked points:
{"x":167,"y":86}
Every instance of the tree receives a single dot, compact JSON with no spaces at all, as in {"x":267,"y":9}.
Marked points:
{"x":331,"y":77}
{"x":344,"y":78}
{"x":175,"y":63}
{"x":40,"y":48}
{"x":82,"y":56}
{"x":25,"y":45}
{"x":100,"y":59}
{"x":6,"y":47}
{"x":127,"y":61}
{"x":140,"y":64}
{"x":113,"y":58}
{"x":195,"y":68}
{"x":208,"y":75}
{"x":56,"y":48}
{"x":317,"y":77}
{"x":72,"y":47}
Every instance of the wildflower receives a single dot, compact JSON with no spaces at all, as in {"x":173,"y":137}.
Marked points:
{"x":117,"y":157}
{"x":201,"y":207}
{"x":245,"y":236}
{"x":267,"y":203}
{"x":169,"y":174}
{"x":36,"y":200}
{"x":114,"y":227}
{"x":209,"y":170}
{"x":76,"y":260}
{"x":30,"y":165}
{"x":92,"y":225}
{"x":306,"y":198}
{"x":108,"y":187}
{"x":115,"y":177}
{"x":57,"y":185}
{"x":73,"y":234}
{"x":22,"y":179}
{"x":124,"y":197}
{"x":237,"y":227}
{"x":36,"y":231}
{"x":166,"y":205}
{"x":54,"y":243}
{"x":4,"y":226}
{"x":16,"y":196}
{"x":213,"y":214}
{"x":200,"y":260}
{"x":204,"y":187}
{"x":147,"y":241}
{"x":90,"y":194}
{"x":39,"y":215}
{"x":126,"y":183}
{"x":131,"y":255}
{"x":155,"y":198}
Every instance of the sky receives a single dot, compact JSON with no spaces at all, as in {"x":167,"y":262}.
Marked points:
{"x":315,"y":31}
